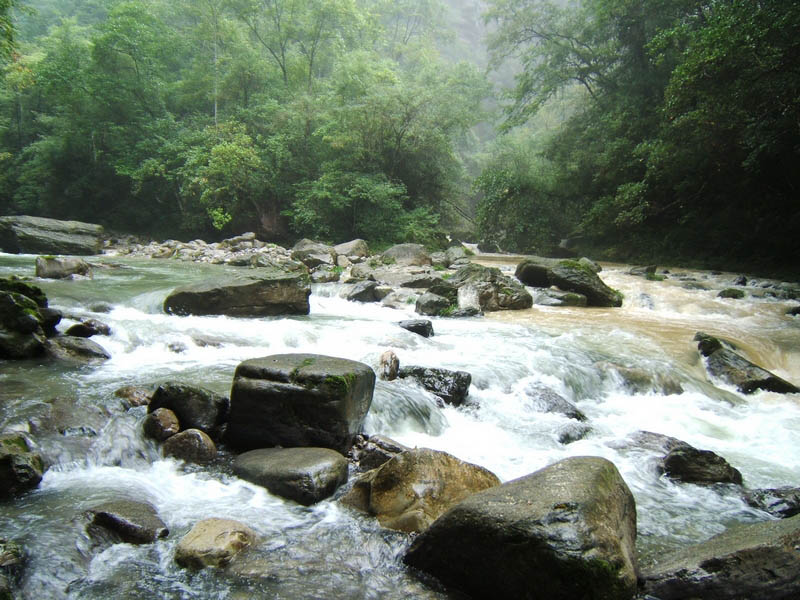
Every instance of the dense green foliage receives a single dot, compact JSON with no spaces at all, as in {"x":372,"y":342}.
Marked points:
{"x":686,"y":145}
{"x":331,"y":119}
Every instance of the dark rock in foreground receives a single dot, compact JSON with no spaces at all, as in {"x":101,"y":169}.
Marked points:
{"x":411,"y":490}
{"x":246,"y":295}
{"x":12,"y":560}
{"x":21,"y":327}
{"x":195,"y":407}
{"x":134,"y":522}
{"x":781,"y":502}
{"x":451,"y":386}
{"x":567,"y":531}
{"x":295,"y":400}
{"x":21,"y":469}
{"x":723,"y":362}
{"x":37,"y":235}
{"x":88,"y":328}
{"x":305,"y":475}
{"x":373,"y":451}
{"x":161,"y":424}
{"x":757,"y":561}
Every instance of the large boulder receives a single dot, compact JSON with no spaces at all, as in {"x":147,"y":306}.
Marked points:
{"x":213,"y":543}
{"x":493,"y":290}
{"x":353,"y":248}
{"x":134,"y":522}
{"x":759,"y":560}
{"x":312,"y":254}
{"x":727,"y":365}
{"x":407,"y":254}
{"x":295,"y":400}
{"x":569,"y":276}
{"x":37,"y":235}
{"x":567,"y":531}
{"x":21,"y":327}
{"x":305,"y":475}
{"x":195,"y":407}
{"x":262,"y":294}
{"x":411,"y":490}
{"x":451,"y":386}
{"x":21,"y":468}
{"x":61,"y":267}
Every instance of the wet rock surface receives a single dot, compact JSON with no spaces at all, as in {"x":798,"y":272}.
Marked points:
{"x":61,"y":267}
{"x":213,"y":543}
{"x":195,"y":407}
{"x":724,"y":363}
{"x":411,"y":490}
{"x":134,"y":522}
{"x":567,"y":531}
{"x":34,"y":235}
{"x":759,"y":560}
{"x":421,"y":327}
{"x":305,"y":475}
{"x":191,"y":446}
{"x":267,"y":293}
{"x":783,"y":502}
{"x":451,"y":386}
{"x":296,"y":400}
{"x":21,"y":469}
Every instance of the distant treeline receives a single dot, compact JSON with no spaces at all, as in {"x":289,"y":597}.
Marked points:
{"x":647,"y":130}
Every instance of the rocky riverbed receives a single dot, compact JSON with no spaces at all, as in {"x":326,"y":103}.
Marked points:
{"x":225,"y":452}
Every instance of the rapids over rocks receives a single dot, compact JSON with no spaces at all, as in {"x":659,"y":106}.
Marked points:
{"x":327,"y":551}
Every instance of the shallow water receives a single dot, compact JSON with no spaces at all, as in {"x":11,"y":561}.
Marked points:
{"x":326,"y":551}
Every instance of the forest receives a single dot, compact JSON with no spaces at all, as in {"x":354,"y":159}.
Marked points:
{"x":640,"y":130}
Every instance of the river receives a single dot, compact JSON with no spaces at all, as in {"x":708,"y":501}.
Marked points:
{"x":326,"y":551}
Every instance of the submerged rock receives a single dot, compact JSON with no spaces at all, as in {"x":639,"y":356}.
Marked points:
{"x":88,"y":328}
{"x":731,"y":293}
{"x":12,"y":561}
{"x":295,"y":400}
{"x":134,"y":522}
{"x":411,"y":490}
{"x":21,"y":468}
{"x":246,"y":295}
{"x":759,"y":560}
{"x":567,"y":531}
{"x":544,"y":399}
{"x":724,"y":363}
{"x":195,"y":407}
{"x":61,"y":267}
{"x":213,"y":543}
{"x":451,"y":386}
{"x":134,"y":395}
{"x":783,"y":502}
{"x":688,"y":464}
{"x":305,"y":475}
{"x":76,"y":349}
{"x":421,"y":327}
{"x":34,"y":235}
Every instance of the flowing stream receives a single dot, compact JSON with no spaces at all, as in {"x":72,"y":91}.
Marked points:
{"x":326,"y":551}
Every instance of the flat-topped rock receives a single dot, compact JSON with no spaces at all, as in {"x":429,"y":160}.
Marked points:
{"x":262,"y":294}
{"x":38,"y":235}
{"x":305,"y":475}
{"x":295,"y":400}
{"x":134,"y":522}
{"x":213,"y":543}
